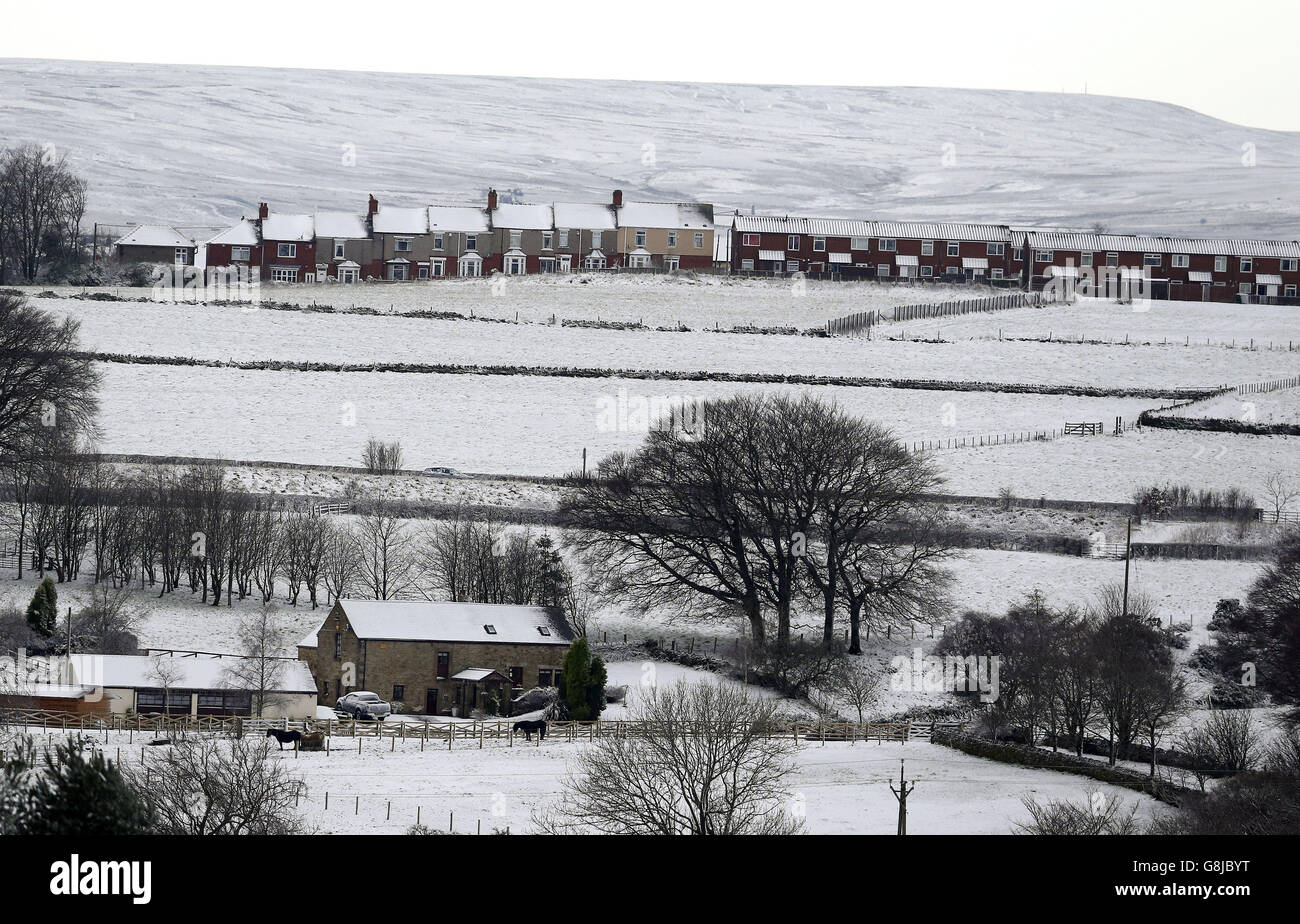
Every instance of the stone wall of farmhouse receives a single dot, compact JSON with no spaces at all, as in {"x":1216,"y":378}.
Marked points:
{"x":382,"y":665}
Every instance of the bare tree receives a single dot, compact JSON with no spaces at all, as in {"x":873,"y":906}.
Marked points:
{"x":385,"y":564}
{"x":259,"y":669}
{"x":41,"y":206}
{"x":703,"y":762}
{"x":166,"y":673}
{"x":1280,"y":491}
{"x":207,"y":785}
{"x":339,"y":563}
{"x":381,"y":458}
{"x":854,"y":684}
{"x":1097,"y":814}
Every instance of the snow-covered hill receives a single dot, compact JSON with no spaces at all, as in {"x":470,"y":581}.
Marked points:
{"x":201,"y":145}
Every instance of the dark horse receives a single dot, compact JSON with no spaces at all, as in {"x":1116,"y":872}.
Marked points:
{"x":529,"y":727}
{"x":284,"y":737}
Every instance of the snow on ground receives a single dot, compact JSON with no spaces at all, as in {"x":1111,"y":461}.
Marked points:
{"x":1179,"y":322}
{"x":1108,"y":468}
{"x":533,"y":425}
{"x":840,"y":788}
{"x":1270,"y":407}
{"x":225,"y":333}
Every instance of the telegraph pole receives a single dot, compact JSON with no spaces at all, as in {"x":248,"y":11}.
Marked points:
{"x":901,"y":794}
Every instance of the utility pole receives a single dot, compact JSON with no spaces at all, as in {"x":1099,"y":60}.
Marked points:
{"x":901,"y":793}
{"x":1128,"y":555}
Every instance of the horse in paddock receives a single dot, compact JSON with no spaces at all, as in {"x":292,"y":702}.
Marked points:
{"x":284,"y":737}
{"x":529,"y":727}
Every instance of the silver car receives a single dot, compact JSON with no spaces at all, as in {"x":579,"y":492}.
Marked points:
{"x":362,"y":704}
{"x":441,"y":471}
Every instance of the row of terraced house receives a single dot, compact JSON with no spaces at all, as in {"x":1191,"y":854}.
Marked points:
{"x":1202,"y":269}
{"x":430,"y":242}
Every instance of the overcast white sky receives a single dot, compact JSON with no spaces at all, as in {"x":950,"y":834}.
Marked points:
{"x":1233,"y":60}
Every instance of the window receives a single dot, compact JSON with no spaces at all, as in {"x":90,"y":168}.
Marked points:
{"x":1289,"y":265}
{"x":284,"y":274}
{"x":749,"y":240}
{"x":309,"y":277}
{"x":338,"y":646}
{"x":338,"y":250}
{"x":1289,"y":291}
{"x":516,"y":240}
{"x":882,"y":269}
{"x":402,"y":244}
{"x":997,"y":272}
{"x":1042,"y":256}
{"x":181,"y":256}
{"x":1085,"y":258}
{"x":1243,"y":288}
{"x":927,"y":271}
{"x":1112,"y":259}
{"x":819,"y":244}
{"x":545,"y":677}
{"x":438,"y":266}
{"x":286,"y":250}
{"x":399,"y":692}
{"x":792,"y":266}
{"x":437,"y":242}
{"x":997,"y":250}
{"x":672,"y":264}
{"x":422,"y":272}
{"x":954,"y":249}
{"x":546,"y":265}
{"x":747,"y":266}
{"x":863,"y":243}
{"x":952,"y":270}
{"x":927,"y":248}
{"x":595,"y":239}
{"x":471,"y":242}
{"x":240,"y":254}
{"x":792,"y":242}
{"x":1017,"y":253}
{"x":516,"y":675}
{"x":640,"y":237}
{"x":672,"y":238}
{"x":544,"y":630}
{"x":595,"y":262}
{"x":888,"y":244}
{"x":1247,"y":265}
{"x":1151,"y":259}
{"x":547,"y":241}
{"x":444,"y":665}
{"x":1182,"y":260}
{"x":564,"y":238}
{"x":1220,"y":264}
{"x":699,"y":239}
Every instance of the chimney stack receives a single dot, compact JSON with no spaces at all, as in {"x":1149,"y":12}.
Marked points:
{"x":263,"y":210}
{"x":492,"y":200}
{"x":618,"y":198}
{"x":374,"y":205}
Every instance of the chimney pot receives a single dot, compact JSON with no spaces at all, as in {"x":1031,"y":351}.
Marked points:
{"x":263,"y":210}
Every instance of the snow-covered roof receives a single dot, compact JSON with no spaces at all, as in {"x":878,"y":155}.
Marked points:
{"x":466,"y":218}
{"x":418,"y":620}
{"x":477,"y":673}
{"x":288,"y":228}
{"x":154,"y":236}
{"x":692,"y":215}
{"x":944,"y":231}
{"x":341,"y":225}
{"x":763,"y":224}
{"x":523,"y":217}
{"x":193,"y":673}
{"x":391,"y":220}
{"x":1145,"y":244}
{"x":242,"y":234}
{"x":591,"y":215}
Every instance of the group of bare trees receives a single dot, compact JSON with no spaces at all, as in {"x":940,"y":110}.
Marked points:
{"x":42,"y":204}
{"x":1069,"y":673}
{"x":776,"y":508}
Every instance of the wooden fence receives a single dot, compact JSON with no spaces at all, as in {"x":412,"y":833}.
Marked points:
{"x":1083,"y":429}
{"x":865,"y":320}
{"x":1256,"y":388}
{"x":470,"y":732}
{"x":993,"y":439}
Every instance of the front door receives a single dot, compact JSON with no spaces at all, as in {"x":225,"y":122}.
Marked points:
{"x":430,"y":702}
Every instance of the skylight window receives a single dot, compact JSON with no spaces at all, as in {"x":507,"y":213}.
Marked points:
{"x":543,"y":630}
{"x":490,"y":630}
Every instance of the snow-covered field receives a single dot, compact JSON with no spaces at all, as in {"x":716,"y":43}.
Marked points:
{"x":215,"y":333}
{"x":304,"y":139}
{"x":500,"y":424}
{"x":838,"y":787}
{"x":1180,"y":323}
{"x":1270,"y":407}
